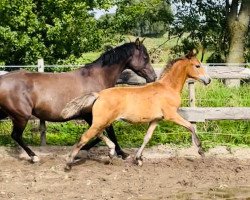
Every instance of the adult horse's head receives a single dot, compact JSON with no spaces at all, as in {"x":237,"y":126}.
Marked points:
{"x":139,"y":61}
{"x":195,"y":69}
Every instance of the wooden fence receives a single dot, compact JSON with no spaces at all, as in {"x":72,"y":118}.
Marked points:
{"x":232,"y":76}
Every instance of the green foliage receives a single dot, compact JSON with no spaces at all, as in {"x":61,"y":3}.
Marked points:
{"x":53,"y":29}
{"x":205,"y":21}
{"x":142,"y":18}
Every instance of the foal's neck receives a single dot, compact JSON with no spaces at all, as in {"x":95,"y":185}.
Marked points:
{"x":175,"y":78}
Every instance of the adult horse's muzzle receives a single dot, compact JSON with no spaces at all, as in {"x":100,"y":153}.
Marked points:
{"x":151,"y":79}
{"x":147,"y":73}
{"x":205,"y":79}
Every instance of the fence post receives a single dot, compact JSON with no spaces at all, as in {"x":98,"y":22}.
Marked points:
{"x":40,"y":65}
{"x":42,"y":124}
{"x":191,"y":90}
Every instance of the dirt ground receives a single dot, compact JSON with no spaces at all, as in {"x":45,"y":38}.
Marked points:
{"x":167,"y":173}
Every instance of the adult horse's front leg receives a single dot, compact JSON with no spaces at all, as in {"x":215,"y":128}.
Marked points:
{"x":19,"y":125}
{"x":42,"y":129}
{"x":3,"y":114}
{"x":112,"y":137}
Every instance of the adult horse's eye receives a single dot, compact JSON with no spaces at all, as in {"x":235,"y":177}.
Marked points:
{"x":197,"y":66}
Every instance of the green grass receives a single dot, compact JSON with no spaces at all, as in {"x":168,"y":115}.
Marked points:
{"x":212,"y":133}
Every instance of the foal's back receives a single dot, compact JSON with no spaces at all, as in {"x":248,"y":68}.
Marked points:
{"x":133,"y":104}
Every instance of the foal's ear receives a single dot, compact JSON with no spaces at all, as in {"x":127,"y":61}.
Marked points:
{"x":191,"y":53}
{"x":137,"y":42}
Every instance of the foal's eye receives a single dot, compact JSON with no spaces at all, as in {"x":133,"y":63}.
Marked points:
{"x":197,"y":66}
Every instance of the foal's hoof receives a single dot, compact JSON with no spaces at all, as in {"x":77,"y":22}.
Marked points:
{"x":35,"y":159}
{"x":122,"y":154}
{"x":138,"y":161}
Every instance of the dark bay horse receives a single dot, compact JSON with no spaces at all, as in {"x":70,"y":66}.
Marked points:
{"x":145,"y":104}
{"x":44,"y":95}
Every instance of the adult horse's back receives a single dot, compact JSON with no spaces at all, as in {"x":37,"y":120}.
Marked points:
{"x":44,"y":95}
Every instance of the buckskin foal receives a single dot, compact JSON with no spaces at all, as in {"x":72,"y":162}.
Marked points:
{"x":147,"y":104}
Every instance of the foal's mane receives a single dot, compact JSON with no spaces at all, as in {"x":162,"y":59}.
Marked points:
{"x":115,"y":55}
{"x":170,"y":65}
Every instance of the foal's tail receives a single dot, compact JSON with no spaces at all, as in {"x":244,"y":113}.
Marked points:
{"x":82,"y":103}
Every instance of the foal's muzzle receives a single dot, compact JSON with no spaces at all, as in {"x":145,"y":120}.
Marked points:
{"x":205,"y":79}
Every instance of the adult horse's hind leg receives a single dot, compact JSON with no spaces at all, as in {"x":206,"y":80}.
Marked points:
{"x":19,"y":125}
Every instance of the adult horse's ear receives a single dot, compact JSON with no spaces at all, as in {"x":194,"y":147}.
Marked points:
{"x":192,"y":53}
{"x":143,"y":40}
{"x":137,"y":42}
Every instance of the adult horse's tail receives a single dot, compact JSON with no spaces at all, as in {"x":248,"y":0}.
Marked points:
{"x":82,"y":103}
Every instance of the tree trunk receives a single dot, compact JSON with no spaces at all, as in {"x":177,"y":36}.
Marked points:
{"x":238,"y":22}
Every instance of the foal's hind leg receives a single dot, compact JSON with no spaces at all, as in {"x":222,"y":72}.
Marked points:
{"x":111,"y":134}
{"x":147,"y":137}
{"x":175,"y":117}
{"x":19,"y":125}
{"x":89,"y":134}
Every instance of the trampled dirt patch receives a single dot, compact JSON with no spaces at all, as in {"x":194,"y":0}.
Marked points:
{"x":167,"y":173}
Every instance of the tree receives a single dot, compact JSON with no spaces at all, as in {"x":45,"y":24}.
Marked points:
{"x":215,"y":25}
{"x":52,"y":29}
{"x":238,"y":19}
{"x":143,"y":17}
{"x":200,"y":24}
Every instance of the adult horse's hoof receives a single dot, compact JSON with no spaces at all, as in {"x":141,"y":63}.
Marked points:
{"x":201,"y":152}
{"x":123,"y":155}
{"x":35,"y":159}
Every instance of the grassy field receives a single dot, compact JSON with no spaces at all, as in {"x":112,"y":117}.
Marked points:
{"x":229,"y":133}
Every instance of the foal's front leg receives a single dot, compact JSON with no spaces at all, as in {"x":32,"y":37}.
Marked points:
{"x":147,"y":137}
{"x":179,"y":120}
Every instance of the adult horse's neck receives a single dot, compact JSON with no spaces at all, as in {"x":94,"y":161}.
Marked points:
{"x":107,"y":75}
{"x":111,"y":73}
{"x":175,"y":77}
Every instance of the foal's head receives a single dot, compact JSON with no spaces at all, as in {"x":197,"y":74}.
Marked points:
{"x":139,"y":62}
{"x":194,"y":68}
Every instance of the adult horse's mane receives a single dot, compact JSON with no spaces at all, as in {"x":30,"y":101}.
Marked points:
{"x":170,"y":65}
{"x":115,"y":55}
